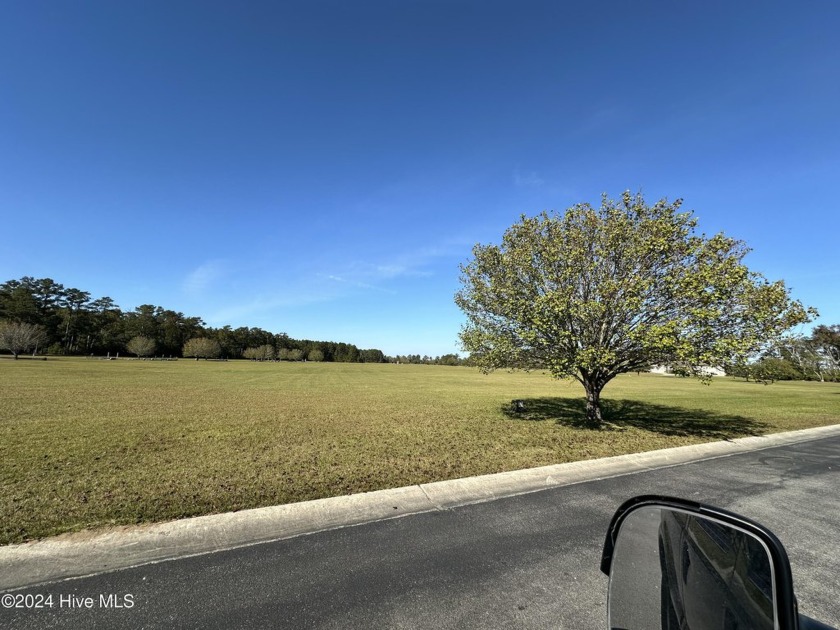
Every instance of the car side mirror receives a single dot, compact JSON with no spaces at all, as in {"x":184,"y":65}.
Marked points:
{"x":676,"y":564}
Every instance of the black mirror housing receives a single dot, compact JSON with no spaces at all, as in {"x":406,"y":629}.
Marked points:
{"x":716,"y":522}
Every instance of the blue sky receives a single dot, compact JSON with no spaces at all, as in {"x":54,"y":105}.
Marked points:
{"x":322,"y":168}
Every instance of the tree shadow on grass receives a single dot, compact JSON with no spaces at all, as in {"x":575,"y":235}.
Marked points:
{"x":663,"y":419}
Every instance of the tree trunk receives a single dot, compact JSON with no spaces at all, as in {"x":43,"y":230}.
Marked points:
{"x":593,"y":402}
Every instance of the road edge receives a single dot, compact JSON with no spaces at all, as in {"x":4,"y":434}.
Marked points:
{"x":89,"y":553}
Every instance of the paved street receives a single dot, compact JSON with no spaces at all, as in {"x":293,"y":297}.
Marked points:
{"x":523,"y":562}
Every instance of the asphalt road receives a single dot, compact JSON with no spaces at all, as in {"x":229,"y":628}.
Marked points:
{"x":522,"y":562}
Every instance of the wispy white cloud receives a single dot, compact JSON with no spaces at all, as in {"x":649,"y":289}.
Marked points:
{"x":389,"y":271}
{"x":266,"y":304}
{"x":203,"y":276}
{"x":530,"y":179}
{"x":328,"y":284}
{"x":372,"y":275}
{"x":356,"y":283}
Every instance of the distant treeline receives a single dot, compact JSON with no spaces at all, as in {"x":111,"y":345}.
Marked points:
{"x":797,"y":358}
{"x":70,"y":322}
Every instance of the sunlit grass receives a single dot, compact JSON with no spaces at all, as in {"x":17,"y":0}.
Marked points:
{"x":85,"y":443}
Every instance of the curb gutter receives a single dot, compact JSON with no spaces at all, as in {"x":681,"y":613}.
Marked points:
{"x":88,"y":553}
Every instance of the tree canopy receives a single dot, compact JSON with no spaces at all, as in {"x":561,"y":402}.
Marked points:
{"x":593,"y":293}
{"x":141,"y":346}
{"x":17,"y":337}
{"x":798,"y":357}
{"x":202,"y":348}
{"x":74,"y":323}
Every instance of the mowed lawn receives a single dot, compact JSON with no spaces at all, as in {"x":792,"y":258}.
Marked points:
{"x":87,"y":443}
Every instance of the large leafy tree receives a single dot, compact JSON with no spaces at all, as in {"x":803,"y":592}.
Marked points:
{"x":593,"y":293}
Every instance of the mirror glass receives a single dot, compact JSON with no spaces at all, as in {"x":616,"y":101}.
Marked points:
{"x":672,"y":570}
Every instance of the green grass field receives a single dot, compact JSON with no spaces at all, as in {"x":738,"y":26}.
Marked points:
{"x":87,"y":443}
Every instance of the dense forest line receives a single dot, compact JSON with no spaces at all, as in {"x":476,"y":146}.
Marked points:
{"x":44,"y":316}
{"x":67,"y":321}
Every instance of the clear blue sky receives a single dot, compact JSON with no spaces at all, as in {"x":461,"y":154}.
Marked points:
{"x":321,"y":168}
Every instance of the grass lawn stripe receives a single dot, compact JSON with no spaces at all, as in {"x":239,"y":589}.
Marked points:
{"x":87,"y":443}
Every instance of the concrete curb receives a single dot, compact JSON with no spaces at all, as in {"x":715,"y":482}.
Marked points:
{"x":87,"y":553}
